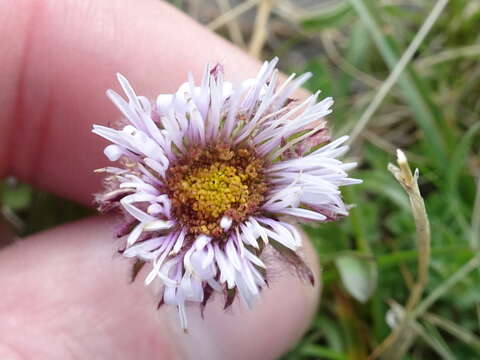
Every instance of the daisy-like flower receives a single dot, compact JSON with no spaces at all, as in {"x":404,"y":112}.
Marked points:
{"x":211,"y":176}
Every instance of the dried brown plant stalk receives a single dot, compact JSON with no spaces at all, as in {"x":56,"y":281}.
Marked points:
{"x":260,"y":30}
{"x":409,"y":182}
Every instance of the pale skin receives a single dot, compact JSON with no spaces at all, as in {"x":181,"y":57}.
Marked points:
{"x":64,"y":294}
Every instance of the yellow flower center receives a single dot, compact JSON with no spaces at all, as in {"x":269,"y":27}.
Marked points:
{"x":214,"y":189}
{"x":213,"y":182}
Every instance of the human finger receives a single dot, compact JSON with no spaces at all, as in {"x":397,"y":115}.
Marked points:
{"x":65,"y":297}
{"x":64,"y":55}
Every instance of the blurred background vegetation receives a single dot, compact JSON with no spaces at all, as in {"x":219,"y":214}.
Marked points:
{"x":404,"y":74}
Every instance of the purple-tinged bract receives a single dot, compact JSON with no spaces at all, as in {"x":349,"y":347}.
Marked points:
{"x":211,"y":176}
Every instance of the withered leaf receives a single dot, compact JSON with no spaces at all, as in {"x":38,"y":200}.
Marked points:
{"x":230,"y":296}
{"x":207,"y":292}
{"x":136,"y":267}
{"x":291,"y":258}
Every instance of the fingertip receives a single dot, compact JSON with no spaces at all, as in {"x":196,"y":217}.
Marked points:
{"x":280,"y":317}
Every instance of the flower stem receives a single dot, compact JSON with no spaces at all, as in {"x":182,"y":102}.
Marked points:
{"x":404,"y":176}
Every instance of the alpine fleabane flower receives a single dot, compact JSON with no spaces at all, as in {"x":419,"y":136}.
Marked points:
{"x":213,"y":175}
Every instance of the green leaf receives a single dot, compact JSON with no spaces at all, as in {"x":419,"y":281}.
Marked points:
{"x":322,"y":352}
{"x":460,"y":157}
{"x":359,"y":276}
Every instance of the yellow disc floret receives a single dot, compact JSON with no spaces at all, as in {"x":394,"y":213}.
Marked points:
{"x":214,"y":189}
{"x":212,"y":182}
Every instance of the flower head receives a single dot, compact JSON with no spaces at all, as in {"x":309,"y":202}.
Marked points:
{"x":211,"y":176}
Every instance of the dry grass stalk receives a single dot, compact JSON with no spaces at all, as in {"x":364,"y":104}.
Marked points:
{"x":409,"y":182}
{"x":398,"y":69}
{"x":233,"y":26}
{"x":232,"y":14}
{"x":260,"y":30}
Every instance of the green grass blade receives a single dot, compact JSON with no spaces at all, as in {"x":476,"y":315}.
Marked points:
{"x":322,"y":352}
{"x":426,"y":114}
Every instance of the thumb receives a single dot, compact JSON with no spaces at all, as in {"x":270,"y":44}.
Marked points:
{"x":65,"y":297}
